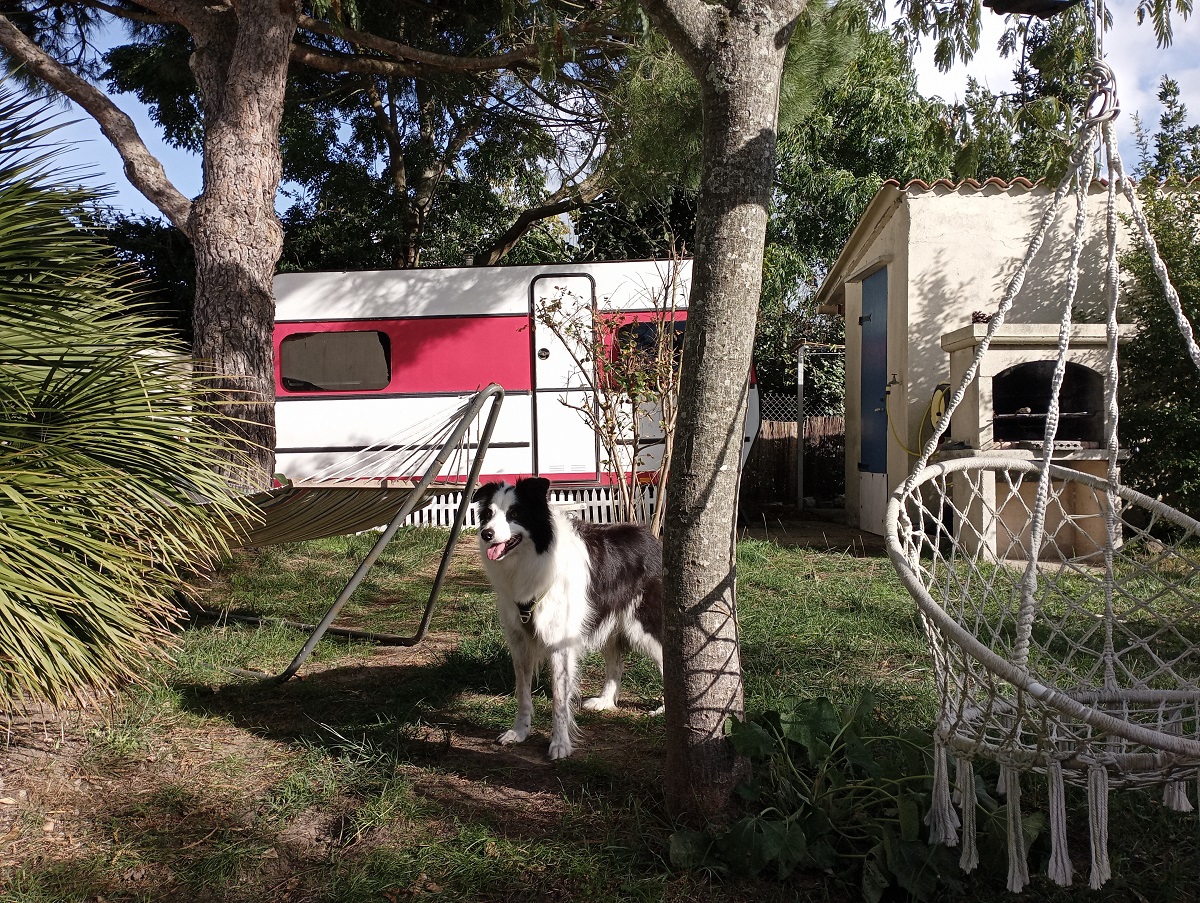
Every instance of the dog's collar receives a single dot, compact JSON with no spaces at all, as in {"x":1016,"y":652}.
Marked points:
{"x":525,"y":609}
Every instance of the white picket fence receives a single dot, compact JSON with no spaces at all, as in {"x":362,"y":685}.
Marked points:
{"x":598,"y":505}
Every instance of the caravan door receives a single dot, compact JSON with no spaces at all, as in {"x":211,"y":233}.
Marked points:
{"x":565,"y":446}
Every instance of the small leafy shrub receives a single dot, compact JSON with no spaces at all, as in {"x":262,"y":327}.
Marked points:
{"x":832,"y":790}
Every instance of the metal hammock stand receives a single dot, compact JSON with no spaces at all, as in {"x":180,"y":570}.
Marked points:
{"x":1063,"y":609}
{"x":341,"y":500}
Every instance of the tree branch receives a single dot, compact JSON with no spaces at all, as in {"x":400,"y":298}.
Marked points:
{"x":332,"y":61}
{"x":133,"y":15}
{"x":687,"y":24}
{"x":142,"y":169}
{"x":183,"y":11}
{"x":566,"y":199}
{"x":395,"y":141}
{"x":423,"y":58}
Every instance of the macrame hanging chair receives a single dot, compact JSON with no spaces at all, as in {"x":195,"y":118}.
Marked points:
{"x":1063,"y":609}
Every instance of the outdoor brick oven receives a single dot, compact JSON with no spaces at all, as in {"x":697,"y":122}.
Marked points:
{"x":1004,"y":413}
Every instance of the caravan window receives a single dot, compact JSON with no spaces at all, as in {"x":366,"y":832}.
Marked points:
{"x":641,"y":338}
{"x":335,"y":361}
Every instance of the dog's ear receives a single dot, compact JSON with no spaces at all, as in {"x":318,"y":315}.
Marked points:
{"x":533,"y":489}
{"x":486,"y":491}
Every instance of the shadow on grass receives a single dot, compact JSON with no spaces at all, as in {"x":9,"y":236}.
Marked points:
{"x":170,"y":844}
{"x":443,"y":715}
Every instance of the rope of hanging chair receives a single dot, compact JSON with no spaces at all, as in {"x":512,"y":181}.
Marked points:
{"x":1112,"y":527}
{"x":1080,"y":151}
{"x":1070,"y":698}
{"x":1097,"y":129}
{"x":997,"y":319}
{"x":1075,"y":705}
{"x":1083,"y":178}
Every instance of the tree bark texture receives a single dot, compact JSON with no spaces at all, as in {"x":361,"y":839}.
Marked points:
{"x":240,"y":64}
{"x":737,"y":55}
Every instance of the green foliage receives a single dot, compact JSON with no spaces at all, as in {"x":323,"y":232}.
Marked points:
{"x":101,"y":455}
{"x":654,"y":108}
{"x":1160,"y":386}
{"x":403,"y":171}
{"x":155,"y":69}
{"x":1029,"y":132}
{"x":1160,"y":13}
{"x":614,"y":229}
{"x":870,"y":125}
{"x":164,"y":259}
{"x":833,"y":790}
{"x":1176,"y":150}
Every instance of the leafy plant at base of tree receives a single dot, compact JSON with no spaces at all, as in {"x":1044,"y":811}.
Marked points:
{"x":835,"y":791}
{"x":102,"y":454}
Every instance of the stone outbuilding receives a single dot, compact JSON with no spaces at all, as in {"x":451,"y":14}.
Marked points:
{"x":923,"y":269}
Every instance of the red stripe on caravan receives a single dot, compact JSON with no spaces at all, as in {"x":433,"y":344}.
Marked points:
{"x":582,"y":480}
{"x":436,"y":354}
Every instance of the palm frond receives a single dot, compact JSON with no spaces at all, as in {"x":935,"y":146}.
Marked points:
{"x":103,"y":454}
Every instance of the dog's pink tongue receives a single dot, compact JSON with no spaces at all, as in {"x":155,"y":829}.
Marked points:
{"x":495,"y":551}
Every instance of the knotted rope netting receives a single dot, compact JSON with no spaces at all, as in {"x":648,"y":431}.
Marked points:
{"x":1063,"y":609}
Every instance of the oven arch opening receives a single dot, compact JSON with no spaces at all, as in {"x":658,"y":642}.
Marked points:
{"x":1021,"y":402}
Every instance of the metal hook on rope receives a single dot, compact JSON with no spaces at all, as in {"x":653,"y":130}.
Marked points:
{"x":1102,"y":105}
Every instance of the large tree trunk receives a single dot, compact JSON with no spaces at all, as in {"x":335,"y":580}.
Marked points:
{"x":737,"y":57}
{"x":240,"y":64}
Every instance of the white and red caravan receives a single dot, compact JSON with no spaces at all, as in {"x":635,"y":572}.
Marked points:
{"x":359,"y":354}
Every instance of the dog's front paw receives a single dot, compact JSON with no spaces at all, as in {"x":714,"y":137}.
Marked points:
{"x":510,"y":737}
{"x":560,"y":748}
{"x":598,"y":704}
{"x":659,"y":711}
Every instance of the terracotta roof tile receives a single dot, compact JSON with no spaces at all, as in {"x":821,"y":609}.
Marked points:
{"x":974,"y":185}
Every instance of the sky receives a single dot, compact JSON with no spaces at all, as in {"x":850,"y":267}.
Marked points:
{"x":1131,"y":51}
{"x":1136,"y":60}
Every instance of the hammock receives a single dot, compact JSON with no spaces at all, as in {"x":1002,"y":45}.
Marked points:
{"x":429,"y":458}
{"x":1063,"y":609}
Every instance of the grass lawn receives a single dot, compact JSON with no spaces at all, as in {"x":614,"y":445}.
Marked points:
{"x":373,"y":776}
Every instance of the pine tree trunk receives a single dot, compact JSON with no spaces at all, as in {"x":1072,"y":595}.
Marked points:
{"x":702,"y":664}
{"x":240,"y":64}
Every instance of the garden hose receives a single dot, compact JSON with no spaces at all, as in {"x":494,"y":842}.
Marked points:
{"x":937,"y":403}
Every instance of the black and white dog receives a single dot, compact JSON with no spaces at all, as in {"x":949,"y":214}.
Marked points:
{"x":564,"y":587}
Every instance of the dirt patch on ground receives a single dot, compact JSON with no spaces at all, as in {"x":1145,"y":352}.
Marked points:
{"x":203,"y":797}
{"x":206,"y":789}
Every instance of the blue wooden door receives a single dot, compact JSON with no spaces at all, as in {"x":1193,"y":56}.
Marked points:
{"x":873,"y":449}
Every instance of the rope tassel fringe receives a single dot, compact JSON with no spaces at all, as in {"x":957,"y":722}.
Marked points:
{"x":1098,"y":823}
{"x":965,"y":780}
{"x":1060,"y":870}
{"x":942,"y":819}
{"x":1018,"y":867}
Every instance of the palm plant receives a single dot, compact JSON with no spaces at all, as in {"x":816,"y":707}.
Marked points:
{"x":102,"y":460}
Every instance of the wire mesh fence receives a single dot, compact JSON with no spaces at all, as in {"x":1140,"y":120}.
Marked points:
{"x":783,"y":407}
